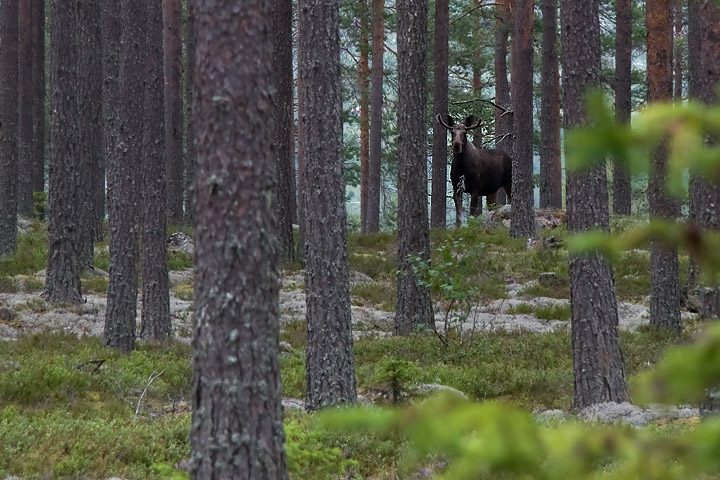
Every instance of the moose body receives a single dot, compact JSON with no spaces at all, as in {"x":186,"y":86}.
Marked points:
{"x":479,"y":172}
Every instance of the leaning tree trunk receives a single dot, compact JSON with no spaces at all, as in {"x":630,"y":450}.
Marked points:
{"x":237,"y":431}
{"x":664,"y":270}
{"x":329,"y":361}
{"x":414,"y":305}
{"x":522,"y":221}
{"x":598,"y":369}
{"x":376,"y":103}
{"x":438,"y":205}
{"x":622,"y":188}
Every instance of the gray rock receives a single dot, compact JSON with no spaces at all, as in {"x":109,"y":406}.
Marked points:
{"x":180,"y":242}
{"x":293,"y":404}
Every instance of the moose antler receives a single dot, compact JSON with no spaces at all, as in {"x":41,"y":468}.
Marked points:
{"x":443,"y":122}
{"x":472,"y":122}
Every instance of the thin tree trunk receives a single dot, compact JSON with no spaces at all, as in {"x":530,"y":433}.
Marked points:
{"x":503,"y":119}
{"x":622,"y":186}
{"x":375,"y":158}
{"x":522,"y":220}
{"x":155,"y":316}
{"x":329,"y":356}
{"x":284,"y":123}
{"x":438,"y":204}
{"x":598,"y":368}
{"x":414,"y":306}
{"x":364,"y":104}
{"x":695,"y":187}
{"x":189,"y":130}
{"x":8,"y":126}
{"x":62,"y":283}
{"x":26,"y":94}
{"x":237,"y":431}
{"x":664,"y":280}
{"x":678,"y":54}
{"x":172,"y":15}
{"x":110,"y":27}
{"x":123,"y":182}
{"x":38,"y":81}
{"x":550,"y":169}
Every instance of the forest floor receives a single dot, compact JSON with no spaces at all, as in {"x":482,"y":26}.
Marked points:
{"x":501,"y":333}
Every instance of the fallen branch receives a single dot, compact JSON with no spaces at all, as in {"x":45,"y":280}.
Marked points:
{"x":152,"y":377}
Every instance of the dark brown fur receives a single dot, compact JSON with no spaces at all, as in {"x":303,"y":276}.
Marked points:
{"x":485,"y":170}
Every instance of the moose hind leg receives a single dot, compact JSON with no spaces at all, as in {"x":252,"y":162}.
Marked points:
{"x":475,"y":206}
{"x":491,"y":200}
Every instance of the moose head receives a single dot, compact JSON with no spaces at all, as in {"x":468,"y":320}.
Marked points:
{"x":459,"y":130}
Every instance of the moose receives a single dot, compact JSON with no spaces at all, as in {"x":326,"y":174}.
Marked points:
{"x":479,"y":172}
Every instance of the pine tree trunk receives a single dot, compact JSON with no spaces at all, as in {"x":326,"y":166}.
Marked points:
{"x":237,"y":430}
{"x":110,"y":27}
{"x":155,"y":316}
{"x":376,"y":104}
{"x":598,"y":368}
{"x":622,"y":186}
{"x":189,"y":131}
{"x":89,"y":91}
{"x":522,"y":220}
{"x":695,"y":187}
{"x":284,"y":122}
{"x":62,"y":282}
{"x":438,"y":204}
{"x":172,"y":16}
{"x":414,"y":305}
{"x":8,"y":126}
{"x":503,"y":119}
{"x":26,"y":97}
{"x":364,"y":104}
{"x":664,"y":279}
{"x":123,"y":182}
{"x":677,"y":12}
{"x":550,"y":167}
{"x":329,"y":361}
{"x":38,"y":82}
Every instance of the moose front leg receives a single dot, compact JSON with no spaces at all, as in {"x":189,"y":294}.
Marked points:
{"x":475,"y":209}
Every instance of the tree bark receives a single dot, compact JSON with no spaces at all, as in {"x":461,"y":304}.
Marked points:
{"x":622,"y":186}
{"x":664,"y":280}
{"x":677,"y":11}
{"x":550,"y":166}
{"x":414,"y":305}
{"x":111,"y":30}
{"x":26,"y":97}
{"x":189,"y":130}
{"x":123,"y":181}
{"x":237,"y":430}
{"x":155,"y":316}
{"x":522,"y":220}
{"x":8,"y":126}
{"x":696,"y":183}
{"x":503,"y":119}
{"x":172,"y":16}
{"x":438,"y":203}
{"x":62,"y":283}
{"x":364,"y":104}
{"x":89,"y":91}
{"x":376,"y":105}
{"x":598,"y":368}
{"x":38,"y":81}
{"x":284,"y":122}
{"x":329,"y":361}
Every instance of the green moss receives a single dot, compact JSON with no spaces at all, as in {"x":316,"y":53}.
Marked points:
{"x":96,"y":284}
{"x":381,"y":295}
{"x":556,"y":311}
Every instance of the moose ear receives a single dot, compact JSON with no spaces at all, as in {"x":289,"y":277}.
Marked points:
{"x":472,"y":122}
{"x":446,"y":122}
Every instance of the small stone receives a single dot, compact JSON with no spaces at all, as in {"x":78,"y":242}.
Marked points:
{"x":547,"y":279}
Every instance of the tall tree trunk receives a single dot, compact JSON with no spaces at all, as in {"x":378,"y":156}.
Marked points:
{"x":438,"y":203}
{"x":189,"y":130}
{"x":62,"y":283}
{"x":110,"y":27}
{"x":329,"y":361}
{"x":8,"y":126}
{"x":375,"y":158}
{"x":598,"y":368}
{"x":550,"y":167}
{"x":123,"y":181}
{"x":677,"y":8}
{"x":695,"y":187}
{"x":237,"y":430}
{"x":364,"y":104}
{"x":38,"y":82}
{"x":503,"y":118}
{"x":622,"y":186}
{"x":89,"y":90}
{"x":284,"y":122}
{"x":26,"y":97}
{"x":172,"y":15}
{"x":522,"y":220}
{"x":155,"y":316}
{"x":414,"y":305}
{"x":664,"y":280}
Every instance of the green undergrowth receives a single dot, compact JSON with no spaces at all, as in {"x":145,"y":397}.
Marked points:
{"x":31,"y":254}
